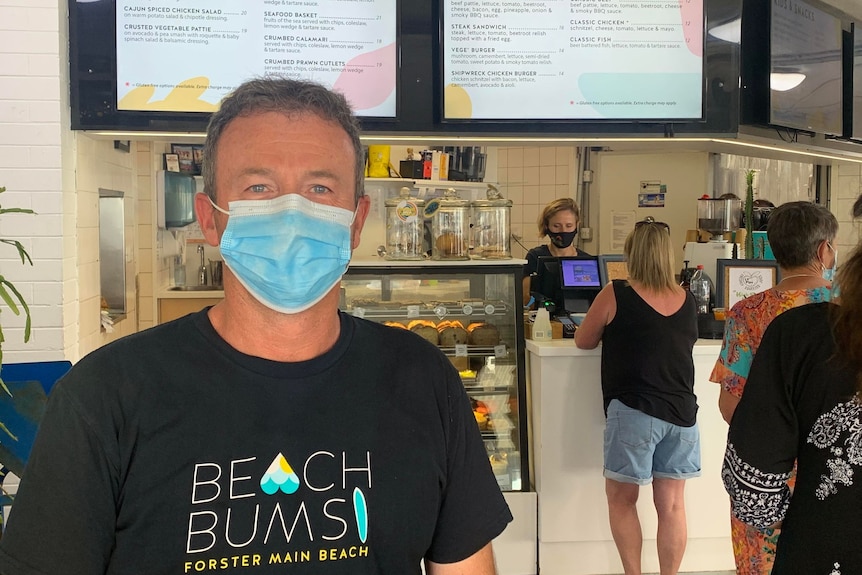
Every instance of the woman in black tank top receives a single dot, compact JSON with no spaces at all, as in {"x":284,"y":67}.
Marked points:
{"x":647,"y":326}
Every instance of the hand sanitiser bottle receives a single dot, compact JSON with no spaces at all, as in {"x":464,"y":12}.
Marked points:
{"x":542,"y":326}
{"x":699,"y":287}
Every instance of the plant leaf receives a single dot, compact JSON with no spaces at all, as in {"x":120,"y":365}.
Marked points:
{"x":5,"y":387}
{"x":16,"y":211}
{"x":22,"y":253}
{"x":24,"y":305}
{"x":6,"y":429}
{"x":5,"y":295}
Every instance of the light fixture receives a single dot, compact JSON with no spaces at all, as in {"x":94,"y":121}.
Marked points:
{"x":729,"y":31}
{"x":784,"y":81}
{"x":836,"y":155}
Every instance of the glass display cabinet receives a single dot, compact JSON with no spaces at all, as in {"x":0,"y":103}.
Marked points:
{"x":472,"y":310}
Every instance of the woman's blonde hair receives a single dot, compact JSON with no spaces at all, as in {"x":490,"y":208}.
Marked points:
{"x":649,"y":256}
{"x":555,"y":207}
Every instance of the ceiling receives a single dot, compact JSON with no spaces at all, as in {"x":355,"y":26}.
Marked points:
{"x":852,"y":8}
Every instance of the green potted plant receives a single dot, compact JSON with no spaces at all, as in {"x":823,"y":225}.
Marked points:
{"x":749,"y":213}
{"x":11,"y":296}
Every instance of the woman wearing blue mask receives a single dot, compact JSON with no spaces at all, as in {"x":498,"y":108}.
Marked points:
{"x":802,"y":237}
{"x":559,"y":222}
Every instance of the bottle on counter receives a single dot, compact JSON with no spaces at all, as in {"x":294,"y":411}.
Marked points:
{"x":542,"y":325}
{"x":179,"y":272}
{"x":699,"y":286}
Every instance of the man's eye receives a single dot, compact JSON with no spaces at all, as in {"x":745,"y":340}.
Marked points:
{"x":319,"y":189}
{"x":257,"y":188}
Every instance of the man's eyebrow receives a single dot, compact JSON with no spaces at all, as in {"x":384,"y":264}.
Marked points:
{"x":254,"y":171}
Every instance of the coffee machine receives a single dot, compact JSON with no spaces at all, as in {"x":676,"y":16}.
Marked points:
{"x":716,"y":217}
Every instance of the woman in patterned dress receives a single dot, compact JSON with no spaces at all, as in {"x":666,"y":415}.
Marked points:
{"x":802,"y":404}
{"x":802,"y":236}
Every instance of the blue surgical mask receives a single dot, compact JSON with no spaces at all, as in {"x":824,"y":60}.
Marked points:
{"x":288,"y":252}
{"x":829,"y":273}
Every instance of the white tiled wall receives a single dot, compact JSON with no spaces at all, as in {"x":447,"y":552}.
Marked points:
{"x":101,"y":166}
{"x":532,"y":177}
{"x":33,"y":95}
{"x":848,"y":188}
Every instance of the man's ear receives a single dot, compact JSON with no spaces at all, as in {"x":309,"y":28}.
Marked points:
{"x":363,"y":206}
{"x":206,"y":215}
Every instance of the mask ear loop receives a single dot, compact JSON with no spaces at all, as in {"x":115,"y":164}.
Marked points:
{"x":225,"y":212}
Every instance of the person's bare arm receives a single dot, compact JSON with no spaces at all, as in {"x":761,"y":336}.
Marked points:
{"x":601,"y":312}
{"x":727,"y":403}
{"x":480,"y":563}
{"x":527,"y":290}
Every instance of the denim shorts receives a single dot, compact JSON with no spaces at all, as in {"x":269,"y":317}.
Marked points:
{"x":639,"y":447}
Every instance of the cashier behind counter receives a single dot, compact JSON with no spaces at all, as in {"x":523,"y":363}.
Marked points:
{"x":566,"y":285}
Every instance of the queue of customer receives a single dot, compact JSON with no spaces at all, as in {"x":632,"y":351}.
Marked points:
{"x":802,"y":237}
{"x":803,"y":402}
{"x":801,"y":408}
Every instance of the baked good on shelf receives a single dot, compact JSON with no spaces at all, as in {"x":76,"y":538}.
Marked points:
{"x":483,"y":333}
{"x":364,"y":302}
{"x":480,"y":413}
{"x":449,"y":244}
{"x":481,"y":420}
{"x":397,"y":324}
{"x":451,"y":333}
{"x":499,"y":463}
{"x":424,"y":328}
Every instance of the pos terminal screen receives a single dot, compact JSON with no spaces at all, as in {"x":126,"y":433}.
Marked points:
{"x":580,"y":272}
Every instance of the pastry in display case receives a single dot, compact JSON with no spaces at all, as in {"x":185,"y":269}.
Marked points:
{"x":470,"y":310}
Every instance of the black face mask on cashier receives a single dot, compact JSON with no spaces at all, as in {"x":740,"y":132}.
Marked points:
{"x":562,"y":239}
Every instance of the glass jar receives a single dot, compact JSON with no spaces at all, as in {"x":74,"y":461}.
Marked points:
{"x":405,"y":217}
{"x":450,"y":227}
{"x":490,"y":226}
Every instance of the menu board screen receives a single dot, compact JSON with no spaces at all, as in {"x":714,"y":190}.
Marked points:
{"x":186,"y":55}
{"x":857,"y":81}
{"x":805,"y":77}
{"x":572,"y":60}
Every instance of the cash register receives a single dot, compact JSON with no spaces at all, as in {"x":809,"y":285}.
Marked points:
{"x":567,"y":286}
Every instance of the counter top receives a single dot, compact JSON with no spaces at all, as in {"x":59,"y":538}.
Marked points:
{"x":167,"y":293}
{"x":567,"y":348}
{"x":381,"y":262}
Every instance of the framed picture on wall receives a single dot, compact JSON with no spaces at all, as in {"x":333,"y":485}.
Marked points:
{"x":738,"y":279}
{"x":187,"y":157}
{"x":172,"y":162}
{"x":612,"y":267}
{"x":198,"y":158}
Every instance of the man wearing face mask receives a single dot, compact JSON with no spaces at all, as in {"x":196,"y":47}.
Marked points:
{"x":559,"y":221}
{"x":269,"y":433}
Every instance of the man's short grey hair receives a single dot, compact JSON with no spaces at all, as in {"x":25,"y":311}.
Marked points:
{"x":288,"y":97}
{"x":795,"y":231}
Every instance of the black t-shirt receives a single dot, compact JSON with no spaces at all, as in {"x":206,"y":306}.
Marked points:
{"x":646,"y":358}
{"x":799,"y":406}
{"x":170,"y":452}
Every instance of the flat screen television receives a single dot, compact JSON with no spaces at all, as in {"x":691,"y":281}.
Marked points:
{"x":167,"y":64}
{"x":856,"y":82}
{"x":579,"y":61}
{"x":580,"y":282}
{"x":580,"y":272}
{"x":805,"y":68}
